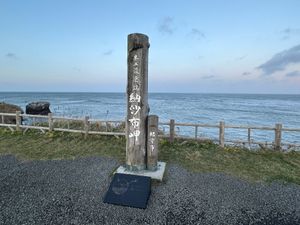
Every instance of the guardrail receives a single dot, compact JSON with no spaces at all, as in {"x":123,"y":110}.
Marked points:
{"x":88,"y":126}
{"x":277,"y":143}
{"x":47,"y":123}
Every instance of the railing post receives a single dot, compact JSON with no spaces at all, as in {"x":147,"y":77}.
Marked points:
{"x":196,"y":132}
{"x":2,"y":119}
{"x":50,"y":121}
{"x":222,"y":134}
{"x":172,"y":130}
{"x":152,"y":142}
{"x":278,"y":130}
{"x":18,"y":120}
{"x":249,"y":137}
{"x":86,"y":126}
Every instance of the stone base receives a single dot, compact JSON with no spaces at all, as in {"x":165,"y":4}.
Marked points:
{"x":156,"y":175}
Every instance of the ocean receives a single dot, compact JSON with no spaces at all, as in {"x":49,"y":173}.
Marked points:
{"x":234,"y":109}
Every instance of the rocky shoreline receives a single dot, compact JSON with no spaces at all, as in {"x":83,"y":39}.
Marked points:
{"x":33,"y":108}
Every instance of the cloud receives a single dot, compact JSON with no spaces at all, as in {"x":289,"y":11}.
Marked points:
{"x":246,"y":73}
{"x":11,"y":56}
{"x":166,"y":26}
{"x":293,"y":74}
{"x":288,"y":32}
{"x":281,"y":60}
{"x":291,"y":31}
{"x":208,"y":77}
{"x":109,"y":52}
{"x":76,"y":69}
{"x":241,"y":57}
{"x":285,"y":37}
{"x":197,"y":34}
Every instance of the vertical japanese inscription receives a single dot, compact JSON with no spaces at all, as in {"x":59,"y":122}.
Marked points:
{"x":137,"y":101}
{"x":152,"y":139}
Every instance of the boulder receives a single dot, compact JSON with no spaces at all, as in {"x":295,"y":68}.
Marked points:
{"x":9,"y":108}
{"x":38,"y":108}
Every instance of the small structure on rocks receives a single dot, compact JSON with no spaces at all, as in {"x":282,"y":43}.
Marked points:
{"x":9,"y":108}
{"x":38,"y":108}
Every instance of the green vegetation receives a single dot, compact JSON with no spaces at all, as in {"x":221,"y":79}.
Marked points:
{"x":261,"y":165}
{"x":59,"y":145}
{"x":264,"y":165}
{"x":79,"y":125}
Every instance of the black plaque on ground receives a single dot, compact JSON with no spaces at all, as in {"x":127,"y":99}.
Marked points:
{"x":129,"y":190}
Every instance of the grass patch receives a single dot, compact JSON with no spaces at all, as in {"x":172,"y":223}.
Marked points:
{"x":266,"y":165}
{"x":59,"y":145}
{"x":79,"y":125}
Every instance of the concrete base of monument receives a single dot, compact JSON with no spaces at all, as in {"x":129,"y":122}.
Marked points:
{"x":156,"y":175}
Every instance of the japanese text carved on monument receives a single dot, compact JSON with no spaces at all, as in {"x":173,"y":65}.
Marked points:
{"x":135,"y":101}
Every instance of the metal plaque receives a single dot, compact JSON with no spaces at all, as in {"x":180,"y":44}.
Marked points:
{"x":129,"y":190}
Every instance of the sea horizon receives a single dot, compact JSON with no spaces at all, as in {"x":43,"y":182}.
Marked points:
{"x":208,"y":108}
{"x":119,"y":92}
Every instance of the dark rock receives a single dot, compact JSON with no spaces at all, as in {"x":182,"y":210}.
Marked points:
{"x":38,"y":108}
{"x":9,"y":108}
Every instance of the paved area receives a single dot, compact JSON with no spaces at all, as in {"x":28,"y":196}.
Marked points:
{"x":71,"y":192}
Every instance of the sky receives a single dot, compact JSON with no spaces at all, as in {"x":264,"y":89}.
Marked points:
{"x":197,"y":46}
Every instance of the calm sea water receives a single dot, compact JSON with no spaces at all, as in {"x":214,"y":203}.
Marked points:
{"x":240,"y":109}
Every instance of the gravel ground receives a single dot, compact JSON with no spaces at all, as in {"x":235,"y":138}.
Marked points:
{"x":71,"y":192}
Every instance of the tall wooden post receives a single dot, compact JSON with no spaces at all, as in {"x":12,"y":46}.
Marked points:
{"x":86,"y":126}
{"x":172,"y":130}
{"x":278,"y":128}
{"x":222,"y":134}
{"x":249,"y":137}
{"x":152,"y":142}
{"x":18,"y":121}
{"x":196,"y":132}
{"x":137,"y":101}
{"x":50,"y":122}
